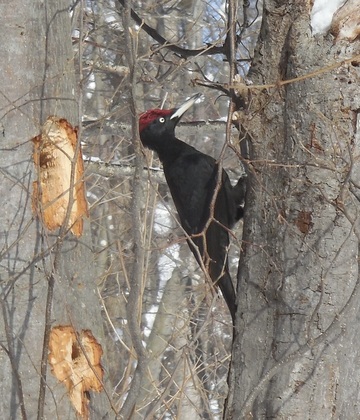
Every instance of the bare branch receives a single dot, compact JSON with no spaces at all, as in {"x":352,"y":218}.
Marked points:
{"x":182,"y":52}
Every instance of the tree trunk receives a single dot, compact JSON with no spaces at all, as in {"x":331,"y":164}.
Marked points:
{"x":46,"y":280}
{"x":297,"y":337}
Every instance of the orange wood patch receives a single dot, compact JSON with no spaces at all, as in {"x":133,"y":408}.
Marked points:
{"x":54,"y":154}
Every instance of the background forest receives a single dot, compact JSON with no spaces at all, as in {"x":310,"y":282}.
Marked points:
{"x":188,"y":338}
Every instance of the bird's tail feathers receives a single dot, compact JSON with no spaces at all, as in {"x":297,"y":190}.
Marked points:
{"x":225,"y":284}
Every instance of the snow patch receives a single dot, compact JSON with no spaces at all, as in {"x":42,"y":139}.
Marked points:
{"x":162,"y":226}
{"x":167,"y":263}
{"x":91,"y":159}
{"x":163,"y":221}
{"x":322,"y":14}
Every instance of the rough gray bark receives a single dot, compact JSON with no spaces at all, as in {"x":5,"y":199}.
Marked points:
{"x":38,"y":80}
{"x":297,"y":337}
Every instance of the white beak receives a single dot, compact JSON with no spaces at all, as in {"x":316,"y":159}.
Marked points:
{"x":185,"y":106}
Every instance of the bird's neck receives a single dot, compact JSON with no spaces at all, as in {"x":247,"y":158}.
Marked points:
{"x":170,"y":148}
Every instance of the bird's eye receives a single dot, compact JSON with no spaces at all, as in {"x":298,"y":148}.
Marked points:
{"x":162,"y":120}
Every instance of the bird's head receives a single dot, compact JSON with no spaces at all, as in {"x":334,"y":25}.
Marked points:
{"x":157,"y":123}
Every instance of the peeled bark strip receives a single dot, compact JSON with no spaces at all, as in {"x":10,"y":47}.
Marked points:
{"x":346,"y":22}
{"x":79,"y":372}
{"x":54,"y":152}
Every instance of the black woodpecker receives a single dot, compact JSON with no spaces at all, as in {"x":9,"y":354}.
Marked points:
{"x":193,"y":180}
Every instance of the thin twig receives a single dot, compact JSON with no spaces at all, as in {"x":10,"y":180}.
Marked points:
{"x":311,"y":75}
{"x":46,"y":338}
{"x":14,"y":365}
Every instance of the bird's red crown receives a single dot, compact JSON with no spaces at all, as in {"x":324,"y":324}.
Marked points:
{"x":149,"y":116}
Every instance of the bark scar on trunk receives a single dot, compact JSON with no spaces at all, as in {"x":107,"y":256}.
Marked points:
{"x":75,"y":360}
{"x":54,"y":154}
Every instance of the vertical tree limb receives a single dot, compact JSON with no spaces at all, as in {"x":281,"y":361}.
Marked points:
{"x":134,"y":299}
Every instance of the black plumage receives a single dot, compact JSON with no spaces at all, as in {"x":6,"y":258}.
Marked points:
{"x":192,"y":177}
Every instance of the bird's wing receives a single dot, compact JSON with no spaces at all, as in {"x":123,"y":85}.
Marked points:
{"x":192,"y":179}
